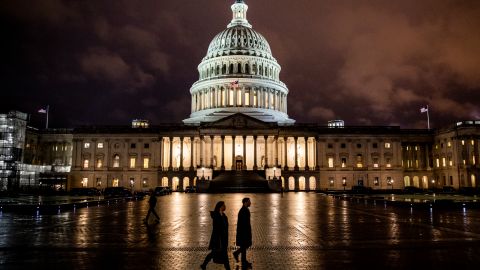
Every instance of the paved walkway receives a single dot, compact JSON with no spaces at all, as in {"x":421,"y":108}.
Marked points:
{"x":293,"y":231}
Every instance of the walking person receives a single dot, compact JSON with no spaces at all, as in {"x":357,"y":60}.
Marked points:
{"x":244,"y":233}
{"x":152,"y":203}
{"x":219,"y":239}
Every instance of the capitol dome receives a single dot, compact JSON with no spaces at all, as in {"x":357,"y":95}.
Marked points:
{"x":239,"y":75}
{"x":239,"y":40}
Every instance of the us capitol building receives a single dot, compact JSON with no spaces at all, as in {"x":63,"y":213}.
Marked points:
{"x":239,"y":137}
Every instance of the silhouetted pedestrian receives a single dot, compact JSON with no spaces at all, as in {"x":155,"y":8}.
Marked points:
{"x":219,"y":239}
{"x":244,"y":233}
{"x":152,"y":203}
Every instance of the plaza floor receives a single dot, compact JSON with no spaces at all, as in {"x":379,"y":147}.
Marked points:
{"x":290,"y":231}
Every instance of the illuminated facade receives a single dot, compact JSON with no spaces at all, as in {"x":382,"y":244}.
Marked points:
{"x":239,"y":123}
{"x":239,"y":127}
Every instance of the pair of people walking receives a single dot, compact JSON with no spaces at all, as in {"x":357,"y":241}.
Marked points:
{"x":219,"y":239}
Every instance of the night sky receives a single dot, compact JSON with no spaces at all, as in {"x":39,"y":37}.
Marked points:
{"x":105,"y":62}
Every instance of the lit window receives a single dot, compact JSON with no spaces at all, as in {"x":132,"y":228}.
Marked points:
{"x":86,"y":145}
{"x":389,"y":165}
{"x":436,"y":146}
{"x":85,"y":182}
{"x":115,"y":182}
{"x":438,"y":162}
{"x":416,"y":148}
{"x":116,"y":161}
{"x":330,"y":162}
{"x":146,"y":162}
{"x":449,"y":144}
{"x":99,"y":163}
{"x":344,"y":162}
{"x":473,"y":160}
{"x":444,"y":162}
{"x":132,"y":162}
{"x":463,"y":142}
{"x":100,"y":145}
{"x":376,"y":182}
{"x":375,"y":162}
{"x":247,"y":98}
{"x":388,"y":145}
{"x":450,"y":162}
{"x":359,"y":161}
{"x":473,"y":142}
{"x":85,"y":163}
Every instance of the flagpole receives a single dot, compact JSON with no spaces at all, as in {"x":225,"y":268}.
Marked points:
{"x":46,"y":125}
{"x":428,"y":117}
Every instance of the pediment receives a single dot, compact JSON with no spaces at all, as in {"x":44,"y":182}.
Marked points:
{"x":240,"y":120}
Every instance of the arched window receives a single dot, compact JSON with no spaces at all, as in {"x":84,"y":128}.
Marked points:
{"x":231,"y":69}
{"x":247,"y":69}
{"x":224,"y":69}
{"x":116,"y":161}
{"x":239,"y":68}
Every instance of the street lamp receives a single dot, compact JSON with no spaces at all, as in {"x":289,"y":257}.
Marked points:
{"x":391,"y":183}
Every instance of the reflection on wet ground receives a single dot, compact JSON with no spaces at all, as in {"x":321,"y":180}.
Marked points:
{"x":290,"y":231}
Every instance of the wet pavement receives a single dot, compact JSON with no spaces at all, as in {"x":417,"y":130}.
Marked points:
{"x":290,"y":231}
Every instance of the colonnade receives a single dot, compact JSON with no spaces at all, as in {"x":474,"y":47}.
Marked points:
{"x":221,"y":96}
{"x":228,"y":152}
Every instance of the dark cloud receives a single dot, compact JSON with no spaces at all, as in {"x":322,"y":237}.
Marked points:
{"x":369,"y":62}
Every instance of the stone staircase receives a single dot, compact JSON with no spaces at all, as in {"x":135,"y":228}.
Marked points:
{"x":239,"y":181}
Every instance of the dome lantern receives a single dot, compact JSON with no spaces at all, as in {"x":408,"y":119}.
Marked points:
{"x":239,"y":10}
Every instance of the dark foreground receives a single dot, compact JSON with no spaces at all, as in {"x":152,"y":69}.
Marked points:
{"x":290,"y":231}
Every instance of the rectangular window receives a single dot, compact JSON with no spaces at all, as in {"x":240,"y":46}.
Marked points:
{"x":99,"y":182}
{"x":330,"y":162}
{"x":473,"y":160}
{"x":359,"y":161}
{"x":437,"y":162}
{"x":331,"y":182}
{"x":449,"y":144}
{"x":450,"y":162}
{"x":99,"y":163}
{"x":132,"y":162}
{"x":85,"y":163}
{"x":472,"y":142}
{"x":231,"y":96}
{"x":255,"y":102}
{"x":86,"y":145}
{"x":451,"y":180}
{"x":463,"y":142}
{"x":376,"y":182}
{"x":444,"y":162}
{"x":375,"y":162}
{"x":133,"y":145}
{"x":344,"y":162}
{"x":115,"y":182}
{"x":330,"y":146}
{"x":247,"y":98}
{"x":388,"y":163}
{"x":388,"y":145}
{"x":146,"y":163}
{"x":85,"y":182}
{"x":145,"y":183}
{"x":375,"y":145}
{"x":100,"y":145}
{"x":146,"y":146}
{"x":343,"y":145}
{"x":239,"y":97}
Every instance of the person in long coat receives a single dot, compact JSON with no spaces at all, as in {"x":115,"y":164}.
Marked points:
{"x":244,"y":233}
{"x":219,"y":239}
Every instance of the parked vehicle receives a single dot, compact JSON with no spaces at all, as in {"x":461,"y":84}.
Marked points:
{"x":412,"y":190}
{"x":190,"y":189}
{"x":85,"y":192}
{"x":160,"y":191}
{"x":361,"y":189}
{"x":110,"y":192}
{"x":448,"y":189}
